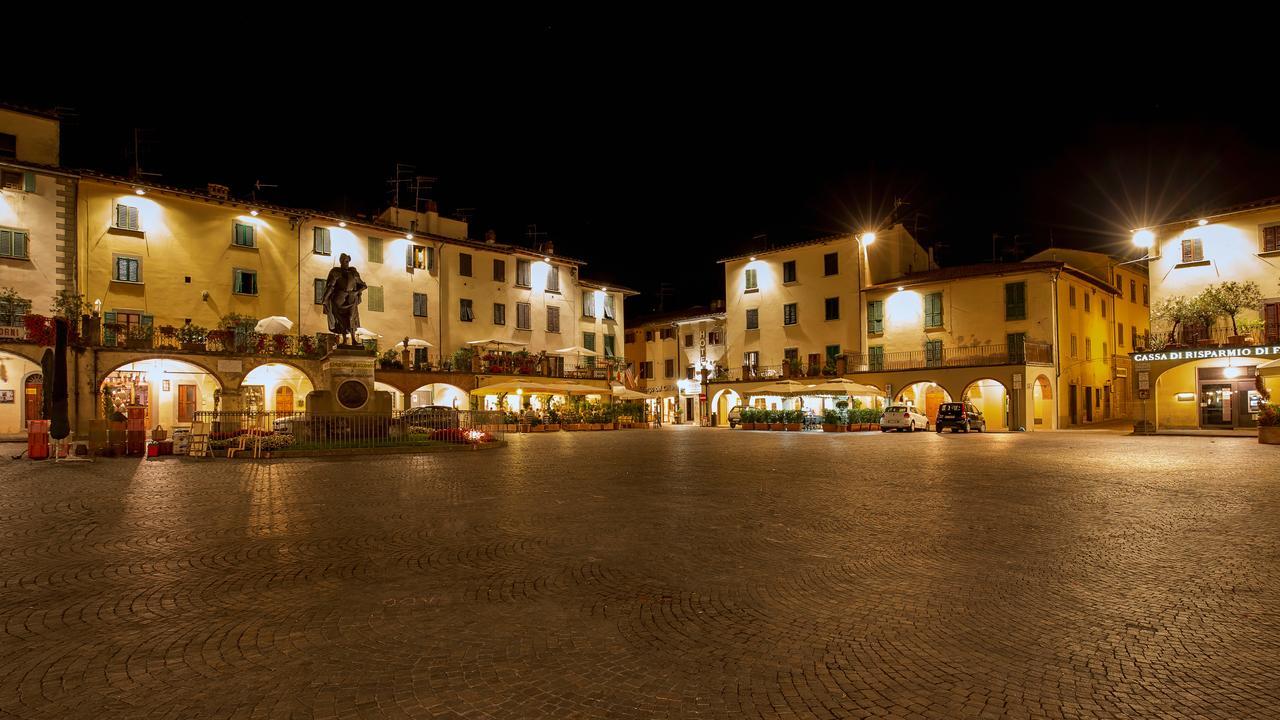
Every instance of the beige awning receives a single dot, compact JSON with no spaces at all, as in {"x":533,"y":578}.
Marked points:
{"x":1269,"y":369}
{"x":625,"y":393}
{"x":844,"y":386}
{"x":783,"y":388}
{"x":541,"y":386}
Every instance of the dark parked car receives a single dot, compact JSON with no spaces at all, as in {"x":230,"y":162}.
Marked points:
{"x":959,"y":416}
{"x":432,"y":417}
{"x":735,"y":415}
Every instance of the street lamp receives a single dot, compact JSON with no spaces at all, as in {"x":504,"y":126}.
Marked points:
{"x":867,"y":238}
{"x":1144,"y":238}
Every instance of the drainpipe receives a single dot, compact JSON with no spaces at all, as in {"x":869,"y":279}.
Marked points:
{"x":1057,"y":352}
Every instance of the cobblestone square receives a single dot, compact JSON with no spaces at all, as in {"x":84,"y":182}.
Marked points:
{"x":681,"y":572}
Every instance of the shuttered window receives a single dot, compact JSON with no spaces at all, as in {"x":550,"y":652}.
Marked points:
{"x":1192,"y":250}
{"x":875,"y":317}
{"x":831,"y":264}
{"x":608,"y":307}
{"x":1271,"y":238}
{"x":244,"y":282}
{"x":524,"y":316}
{"x":464,"y":264}
{"x":320,"y":243}
{"x":1015,"y":301}
{"x":875,"y":358}
{"x":499,"y":314}
{"x":933,"y":310}
{"x":789,"y":271}
{"x":833,"y":308}
{"x":523,"y":273}
{"x":610,"y":342}
{"x":499,"y":270}
{"x":419,"y":304}
{"x":749,"y":279}
{"x":13,"y":243}
{"x":553,"y":279}
{"x":127,"y":268}
{"x":242,"y":235}
{"x":319,"y":291}
{"x":933,"y":353}
{"x":465,"y":313}
{"x":588,"y":303}
{"x":589,"y":340}
{"x":375,"y":250}
{"x":790,"y":314}
{"x":375,"y":298}
{"x":1271,"y":321}
{"x":753,"y":319}
{"x":126,"y":217}
{"x":553,"y":319}
{"x":1015,"y":342}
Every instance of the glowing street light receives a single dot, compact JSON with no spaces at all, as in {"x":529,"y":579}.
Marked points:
{"x":139,"y":191}
{"x":253,"y":213}
{"x":867,"y":238}
{"x":1202,"y":222}
{"x":1144,"y":238}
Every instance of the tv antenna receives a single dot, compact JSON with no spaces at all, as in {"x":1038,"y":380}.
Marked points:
{"x":421,"y":188}
{"x":138,"y":141}
{"x":258,"y":185}
{"x":533,"y":234}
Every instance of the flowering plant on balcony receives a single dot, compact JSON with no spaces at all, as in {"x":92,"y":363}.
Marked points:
{"x":39,"y":329}
{"x":307,"y":344}
{"x":280,"y":344}
{"x":224,"y":338}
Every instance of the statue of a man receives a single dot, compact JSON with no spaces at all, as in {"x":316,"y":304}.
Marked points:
{"x":342,"y":291}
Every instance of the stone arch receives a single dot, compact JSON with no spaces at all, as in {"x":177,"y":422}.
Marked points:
{"x":439,"y":393}
{"x":17,"y":368}
{"x":270,"y":376}
{"x":923,"y":396}
{"x":1044,"y":409}
{"x":194,"y":360}
{"x":992,"y":397}
{"x":253,"y":364}
{"x":191,"y":387}
{"x":722,"y":402}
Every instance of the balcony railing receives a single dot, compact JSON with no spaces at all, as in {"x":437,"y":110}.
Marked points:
{"x":1029,"y":353}
{"x":1198,"y":336}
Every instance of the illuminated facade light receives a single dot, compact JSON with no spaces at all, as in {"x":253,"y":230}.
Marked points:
{"x":139,"y":191}
{"x":1143,"y":238}
{"x":753,"y":258}
{"x":1202,"y":222}
{"x":253,"y":213}
{"x":900,"y":288}
{"x":1231,"y":372}
{"x":342,"y":223}
{"x":867,"y":238}
{"x":546,"y":260}
{"x":408,"y":236}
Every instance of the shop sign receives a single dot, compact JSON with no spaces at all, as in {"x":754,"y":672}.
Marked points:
{"x":1017,"y":381}
{"x":1208,"y":353}
{"x":13,"y":332}
{"x":1144,"y":380}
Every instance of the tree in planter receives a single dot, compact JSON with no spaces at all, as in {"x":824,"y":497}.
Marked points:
{"x":1232,"y":297}
{"x":1170,"y":313}
{"x":1204,"y":311}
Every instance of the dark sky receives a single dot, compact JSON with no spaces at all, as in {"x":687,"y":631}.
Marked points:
{"x":652,"y":152}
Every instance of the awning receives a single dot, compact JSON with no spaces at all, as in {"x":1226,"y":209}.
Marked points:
{"x":625,"y":393}
{"x":498,"y":343}
{"x":1269,"y":369}
{"x":844,"y":386}
{"x":540,"y":387}
{"x":783,"y":388}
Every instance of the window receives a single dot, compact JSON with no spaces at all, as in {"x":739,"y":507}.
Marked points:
{"x":833,"y":351}
{"x":628,"y":338}
{"x":1086,"y":302}
{"x":1120,"y":336}
{"x":522,"y":273}
{"x":1071,"y":295}
{"x":713,"y":337}
{"x":419,"y":304}
{"x":1270,"y":322}
{"x":244,"y":282}
{"x":1088,"y":348}
{"x":667,"y":334}
{"x":833,"y":308}
{"x":524,"y":316}
{"x":127,"y":268}
{"x":669,"y":368}
{"x":499,"y":314}
{"x":1192,"y":250}
{"x":1102,"y":307}
{"x":464,"y":264}
{"x":499,"y":270}
{"x":933,"y":353}
{"x":789,"y":271}
{"x":1271,"y":238}
{"x":12,"y":179}
{"x":375,"y":298}
{"x":831,"y":264}
{"x":1146,"y":295}
{"x":1133,"y":291}
{"x":320,"y":241}
{"x":646,"y":370}
{"x":933,"y":310}
{"x":1015,"y":344}
{"x":588,"y":303}
{"x":126,"y":217}
{"x":749,"y":278}
{"x":242,"y":235}
{"x":688,"y":372}
{"x":648,"y":336}
{"x":608,"y":307}
{"x":610,"y":345}
{"x":751,"y":358}
{"x":13,"y":243}
{"x":1133,"y":336}
{"x":789,"y":314}
{"x":688,"y":340}
{"x":553,"y":279}
{"x":420,"y":257}
{"x":8,"y":145}
{"x":1074,"y":351}
{"x":375,"y":250}
{"x":875,"y":358}
{"x":1015,"y":301}
{"x":465,"y":313}
{"x":589,"y":342}
{"x":875,"y":317}
{"x":790,"y":356}
{"x":1120,"y":285}
{"x":319,"y":286}
{"x":1104,"y":351}
{"x":753,"y":319}
{"x":553,"y":320}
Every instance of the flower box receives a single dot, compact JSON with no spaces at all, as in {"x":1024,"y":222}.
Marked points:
{"x":829,"y":428}
{"x":777,"y":426}
{"x":794,"y":427}
{"x":552,"y":427}
{"x":1269,"y":434}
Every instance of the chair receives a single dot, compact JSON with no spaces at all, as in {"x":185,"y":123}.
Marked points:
{"x":199,"y":446}
{"x":243,"y":442}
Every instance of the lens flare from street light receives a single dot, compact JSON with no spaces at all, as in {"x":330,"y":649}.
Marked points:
{"x":1144,"y":238}
{"x":867,"y":238}
{"x":1202,"y":222}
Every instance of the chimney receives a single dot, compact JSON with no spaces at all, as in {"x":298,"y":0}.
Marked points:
{"x":490,"y":237}
{"x":432,"y":207}
{"x":218,"y":191}
{"x":549,"y":248}
{"x":717,"y":305}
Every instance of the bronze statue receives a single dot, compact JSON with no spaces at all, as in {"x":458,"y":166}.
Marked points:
{"x":342,"y":291}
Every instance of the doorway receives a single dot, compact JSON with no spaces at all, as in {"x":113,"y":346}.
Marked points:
{"x":1088,"y":403}
{"x":1215,"y":404}
{"x":1073,"y":403}
{"x":689,"y":415}
{"x":33,"y":397}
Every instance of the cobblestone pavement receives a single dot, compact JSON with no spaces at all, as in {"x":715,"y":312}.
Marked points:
{"x":681,"y":572}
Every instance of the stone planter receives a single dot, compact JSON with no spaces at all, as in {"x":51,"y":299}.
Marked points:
{"x":830,"y":428}
{"x":593,"y":426}
{"x":553,"y":427}
{"x":778,"y":426}
{"x":1269,"y":434}
{"x":536,"y":428}
{"x":747,"y":426}
{"x":794,"y":427}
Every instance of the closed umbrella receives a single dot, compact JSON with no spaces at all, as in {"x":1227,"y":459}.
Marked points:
{"x":784,"y":388}
{"x":844,"y":386}
{"x":274,"y":325}
{"x":413,"y":343}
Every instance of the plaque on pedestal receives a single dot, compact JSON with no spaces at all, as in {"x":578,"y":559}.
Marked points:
{"x":347,"y":376}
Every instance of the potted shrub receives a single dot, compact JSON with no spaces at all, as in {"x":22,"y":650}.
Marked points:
{"x":794,"y":420}
{"x":775,"y":420}
{"x":191,"y":337}
{"x":747,"y":420}
{"x":553,"y":420}
{"x":831,"y":421}
{"x":535,"y":424}
{"x":1269,"y":424}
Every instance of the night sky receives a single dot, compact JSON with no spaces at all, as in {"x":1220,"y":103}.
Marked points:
{"x":652,"y":152}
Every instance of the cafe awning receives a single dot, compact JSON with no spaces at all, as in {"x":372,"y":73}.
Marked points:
{"x":784,"y":388}
{"x":844,"y":386}
{"x":1269,"y":369}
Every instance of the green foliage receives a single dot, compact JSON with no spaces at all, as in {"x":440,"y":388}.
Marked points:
{"x":70,"y":306}
{"x":236,"y":321}
{"x":12,"y":307}
{"x":1270,"y":415}
{"x":462,"y":358}
{"x":831,"y":417}
{"x":1230,"y":298}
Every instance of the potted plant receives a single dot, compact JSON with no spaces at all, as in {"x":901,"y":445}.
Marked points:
{"x":747,"y":419}
{"x":1269,"y":424}
{"x":191,"y":337}
{"x":774,"y":419}
{"x":553,"y":419}
{"x":535,"y":424}
{"x":831,"y":421}
{"x":1228,"y":299}
{"x":794,"y":420}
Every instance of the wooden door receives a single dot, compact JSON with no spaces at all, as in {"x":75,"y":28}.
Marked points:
{"x":33,"y":397}
{"x":284,"y":399}
{"x":188,"y":401}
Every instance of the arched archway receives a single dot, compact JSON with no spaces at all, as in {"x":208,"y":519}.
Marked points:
{"x":722,"y":402}
{"x":925,"y":396}
{"x":440,"y":394}
{"x":15,"y":369}
{"x":397,"y":397}
{"x":1042,"y":399}
{"x":171,"y":391}
{"x":991,"y":397}
{"x":261,"y":388}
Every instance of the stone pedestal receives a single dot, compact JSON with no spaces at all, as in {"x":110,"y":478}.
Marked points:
{"x":347,"y":379}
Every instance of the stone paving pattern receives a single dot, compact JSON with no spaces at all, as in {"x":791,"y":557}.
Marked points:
{"x":671,"y":573}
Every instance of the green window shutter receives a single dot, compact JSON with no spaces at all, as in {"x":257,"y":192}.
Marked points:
{"x":751,"y":279}
{"x":876,"y":358}
{"x":408,"y":258}
{"x":875,"y":317}
{"x":1015,"y":301}
{"x":375,"y":250}
{"x":589,"y":340}
{"x":319,"y":291}
{"x":29,"y":182}
{"x":320,"y":240}
{"x":6,"y":242}
{"x":108,"y":335}
{"x":375,"y":298}
{"x":933,"y":310}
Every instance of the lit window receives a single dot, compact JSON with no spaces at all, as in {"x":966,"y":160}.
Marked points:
{"x":419,"y":257}
{"x":523,"y":273}
{"x":749,"y":278}
{"x":1192,"y":250}
{"x":242,"y":235}
{"x":320,"y":241}
{"x":375,"y":298}
{"x":13,"y":243}
{"x":126,"y":217}
{"x":244,"y":282}
{"x":375,"y":250}
{"x":933,"y":310}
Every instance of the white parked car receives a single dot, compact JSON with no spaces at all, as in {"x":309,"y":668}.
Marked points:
{"x":902,"y":417}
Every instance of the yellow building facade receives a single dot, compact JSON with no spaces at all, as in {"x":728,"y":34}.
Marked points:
{"x":1211,"y":382}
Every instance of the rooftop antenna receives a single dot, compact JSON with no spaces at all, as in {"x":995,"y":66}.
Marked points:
{"x":257,"y":188}
{"x":138,"y":140}
{"x":403,"y":174}
{"x":531,"y":232}
{"x":421,"y":187}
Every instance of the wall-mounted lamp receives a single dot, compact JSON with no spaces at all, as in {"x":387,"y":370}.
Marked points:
{"x":1202,"y":222}
{"x":867,"y":238}
{"x":97,"y":306}
{"x":1185,"y":397}
{"x":1143,"y":238}
{"x":139,"y":191}
{"x":253,"y":213}
{"x":204,"y":295}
